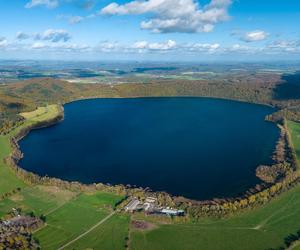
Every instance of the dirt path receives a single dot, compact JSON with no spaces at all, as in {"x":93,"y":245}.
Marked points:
{"x":264,"y":222}
{"x":88,"y":231}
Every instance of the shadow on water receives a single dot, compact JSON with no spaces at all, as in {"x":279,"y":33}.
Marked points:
{"x":290,"y":89}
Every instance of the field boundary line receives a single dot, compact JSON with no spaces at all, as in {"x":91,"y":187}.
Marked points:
{"x":88,"y":231}
{"x":55,"y":209}
{"x":62,"y":205}
{"x":265,"y":221}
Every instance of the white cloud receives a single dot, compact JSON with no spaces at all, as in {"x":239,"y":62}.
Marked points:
{"x":239,"y":48}
{"x":107,"y":46}
{"x":285,"y":46}
{"x":168,"y":47}
{"x":140,"y":45}
{"x":59,"y":47}
{"x":202,"y":47}
{"x":48,"y":3}
{"x":38,"y":45}
{"x":254,"y":36}
{"x":22,"y":36}
{"x":75,"y":47}
{"x":51,"y":4}
{"x":75,"y":19}
{"x":50,"y":35}
{"x":170,"y":44}
{"x":53,"y":36}
{"x":3,"y":42}
{"x":174,"y":16}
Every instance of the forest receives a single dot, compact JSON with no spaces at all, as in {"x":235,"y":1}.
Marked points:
{"x":269,"y":89}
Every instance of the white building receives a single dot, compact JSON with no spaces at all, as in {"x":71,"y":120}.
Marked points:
{"x":132,"y":205}
{"x":173,"y":212}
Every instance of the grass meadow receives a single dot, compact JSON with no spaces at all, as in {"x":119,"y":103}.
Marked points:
{"x":74,"y":218}
{"x":111,"y":235}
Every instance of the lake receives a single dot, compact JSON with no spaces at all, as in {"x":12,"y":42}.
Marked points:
{"x":199,"y":148}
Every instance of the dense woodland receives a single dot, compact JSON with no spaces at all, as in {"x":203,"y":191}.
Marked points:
{"x":256,"y":88}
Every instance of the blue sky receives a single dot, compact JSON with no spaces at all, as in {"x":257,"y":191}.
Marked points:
{"x":150,"y":29}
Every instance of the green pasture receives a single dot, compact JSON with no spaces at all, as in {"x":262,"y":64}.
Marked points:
{"x":261,"y":228}
{"x":294,"y":129}
{"x":8,"y":180}
{"x":40,"y":200}
{"x":74,"y":218}
{"x":42,"y":113}
{"x":108,"y":236}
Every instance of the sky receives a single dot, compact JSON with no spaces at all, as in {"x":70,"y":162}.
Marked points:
{"x":160,"y":30}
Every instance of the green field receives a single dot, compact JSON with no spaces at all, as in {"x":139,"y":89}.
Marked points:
{"x":74,"y":218}
{"x":37,"y":199}
{"x":294,"y":128}
{"x":261,"y":228}
{"x":111,"y":235}
{"x":8,"y":179}
{"x":42,"y":113}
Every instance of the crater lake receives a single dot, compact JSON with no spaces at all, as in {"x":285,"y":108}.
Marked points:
{"x":200,"y":148}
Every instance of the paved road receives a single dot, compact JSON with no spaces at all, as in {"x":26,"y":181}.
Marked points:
{"x":88,"y":231}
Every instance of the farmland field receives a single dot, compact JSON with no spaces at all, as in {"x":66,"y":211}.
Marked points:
{"x":262,"y":228}
{"x":37,"y":199}
{"x":9,"y":181}
{"x":294,"y":128}
{"x":73,"y":219}
{"x":111,"y":235}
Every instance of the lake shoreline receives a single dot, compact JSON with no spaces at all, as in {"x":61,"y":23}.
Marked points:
{"x":88,"y":184}
{"x":190,"y":205}
{"x":173,"y":96}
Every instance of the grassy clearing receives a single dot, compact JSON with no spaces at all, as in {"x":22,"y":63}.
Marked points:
{"x":42,"y":113}
{"x":38,"y":199}
{"x":74,"y":218}
{"x":294,"y":128}
{"x":39,"y":115}
{"x":8,"y":180}
{"x":111,"y":235}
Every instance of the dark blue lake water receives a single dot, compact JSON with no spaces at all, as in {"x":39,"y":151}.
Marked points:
{"x":196,"y":147}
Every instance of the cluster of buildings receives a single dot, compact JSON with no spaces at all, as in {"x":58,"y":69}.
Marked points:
{"x":15,"y":233}
{"x":26,"y":222}
{"x":150,"y":206}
